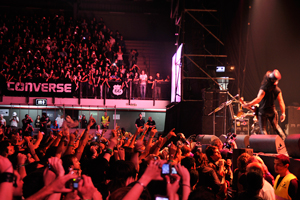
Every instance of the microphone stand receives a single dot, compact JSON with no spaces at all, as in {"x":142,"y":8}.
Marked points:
{"x":221,"y":106}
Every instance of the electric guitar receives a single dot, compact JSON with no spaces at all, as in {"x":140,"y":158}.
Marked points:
{"x":253,"y":109}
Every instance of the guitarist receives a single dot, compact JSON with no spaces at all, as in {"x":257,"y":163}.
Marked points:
{"x":268,"y":93}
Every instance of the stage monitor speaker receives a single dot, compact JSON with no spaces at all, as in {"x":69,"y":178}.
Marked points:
{"x":242,"y":141}
{"x":267,"y":144}
{"x":292,"y":143}
{"x":205,"y":139}
{"x":237,"y":153}
{"x":223,"y":138}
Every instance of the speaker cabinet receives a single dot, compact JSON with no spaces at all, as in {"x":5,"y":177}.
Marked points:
{"x":209,"y":95}
{"x":207,"y":125}
{"x":292,"y":143}
{"x":294,"y":120}
{"x":205,"y":139}
{"x":242,"y":141}
{"x":222,"y":97}
{"x":267,"y":144}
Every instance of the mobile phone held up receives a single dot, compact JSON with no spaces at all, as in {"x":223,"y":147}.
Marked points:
{"x":168,"y":169}
{"x":161,"y":198}
{"x":73,"y":183}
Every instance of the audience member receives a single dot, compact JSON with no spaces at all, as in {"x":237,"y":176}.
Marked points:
{"x":2,"y":120}
{"x":139,"y":122}
{"x":157,"y":81}
{"x":14,"y":120}
{"x":83,"y":121}
{"x":151,"y":124}
{"x":267,"y":190}
{"x":43,"y":123}
{"x":105,"y":120}
{"x":286,"y":183}
{"x":54,"y":127}
{"x":143,"y":84}
{"x":27,"y":120}
{"x":37,"y":122}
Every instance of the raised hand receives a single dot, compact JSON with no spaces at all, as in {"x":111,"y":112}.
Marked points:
{"x":172,"y":133}
{"x":172,"y":187}
{"x":117,"y":127}
{"x":153,"y":171}
{"x":56,"y":165}
{"x":40,"y":135}
{"x":86,"y":188}
{"x":139,"y":130}
{"x":153,"y":132}
{"x":59,"y":184}
{"x":172,"y":150}
{"x":183,"y":173}
{"x":122,"y":153}
{"x":5,"y":165}
{"x":282,"y":117}
{"x":91,"y":121}
{"x":138,"y":146}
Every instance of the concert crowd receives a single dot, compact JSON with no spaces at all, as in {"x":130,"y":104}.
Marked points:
{"x":87,"y":54}
{"x":141,"y":165}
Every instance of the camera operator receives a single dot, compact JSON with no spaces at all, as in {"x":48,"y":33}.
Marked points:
{"x":14,"y":120}
{"x":226,"y":154}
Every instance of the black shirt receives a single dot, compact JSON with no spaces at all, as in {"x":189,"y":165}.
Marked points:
{"x":267,"y":104}
{"x":83,"y":123}
{"x":43,"y":122}
{"x":140,"y":122}
{"x":151,"y":124}
{"x":25,"y":123}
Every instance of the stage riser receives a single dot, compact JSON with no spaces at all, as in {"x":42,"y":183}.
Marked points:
{"x":262,"y":143}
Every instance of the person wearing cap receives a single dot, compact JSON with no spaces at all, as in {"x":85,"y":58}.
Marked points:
{"x":14,"y":120}
{"x":2,"y":120}
{"x":268,"y":93}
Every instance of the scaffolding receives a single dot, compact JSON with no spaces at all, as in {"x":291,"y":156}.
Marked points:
{"x":199,"y":30}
